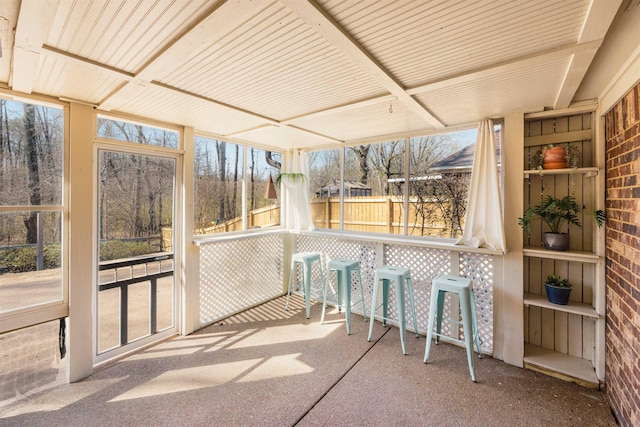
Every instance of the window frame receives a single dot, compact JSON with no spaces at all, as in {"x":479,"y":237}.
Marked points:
{"x":38,"y":313}
{"x":244,"y":190}
{"x":407,"y":175}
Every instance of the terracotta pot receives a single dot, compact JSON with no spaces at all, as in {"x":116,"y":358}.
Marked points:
{"x":555,"y":158}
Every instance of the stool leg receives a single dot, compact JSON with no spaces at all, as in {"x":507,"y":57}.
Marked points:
{"x":413,"y":307}
{"x":385,"y":301}
{"x":324,"y":295}
{"x":401,"y":319}
{"x":433,"y":313}
{"x":339,"y":290}
{"x":292,"y":272}
{"x":441,"y":295}
{"x":374,"y":300}
{"x":346,"y":288}
{"x":364,"y":308}
{"x":307,"y":287}
{"x":465,"y":308}
{"x":474,"y":321}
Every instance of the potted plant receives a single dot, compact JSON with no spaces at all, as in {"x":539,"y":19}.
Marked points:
{"x":558,"y":289}
{"x":555,"y":213}
{"x":290,"y":179}
{"x":557,"y":157}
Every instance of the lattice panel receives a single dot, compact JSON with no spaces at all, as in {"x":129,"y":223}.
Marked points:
{"x":479,"y":268}
{"x":237,"y":274}
{"x":332,"y":248}
{"x":425,"y":265}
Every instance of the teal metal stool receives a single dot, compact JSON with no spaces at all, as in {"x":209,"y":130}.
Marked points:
{"x":306,"y":259}
{"x":402,"y":279}
{"x":462,"y":287}
{"x":343,"y":269}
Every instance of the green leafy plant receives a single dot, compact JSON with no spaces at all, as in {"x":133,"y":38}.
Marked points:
{"x":553,"y":212}
{"x":600,"y":217}
{"x":290,"y":177}
{"x":558,"y":281}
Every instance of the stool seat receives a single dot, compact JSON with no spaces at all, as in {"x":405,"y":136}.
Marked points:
{"x":344,"y":269}
{"x":401,"y":277}
{"x":463,"y":287}
{"x":306,"y":259}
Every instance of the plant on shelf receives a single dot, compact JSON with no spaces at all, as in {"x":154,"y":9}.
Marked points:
{"x":557,"y":157}
{"x":558,"y":289}
{"x":555,"y":213}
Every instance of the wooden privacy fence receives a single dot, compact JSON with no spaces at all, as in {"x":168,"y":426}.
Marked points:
{"x":378,"y":215}
{"x":368,"y":214}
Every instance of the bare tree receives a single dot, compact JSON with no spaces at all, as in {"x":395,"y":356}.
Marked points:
{"x":31,"y":222}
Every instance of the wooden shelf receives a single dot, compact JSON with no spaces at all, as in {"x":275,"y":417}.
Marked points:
{"x":572,"y":307}
{"x":578,"y":256}
{"x":560,"y":365}
{"x":587,"y":172}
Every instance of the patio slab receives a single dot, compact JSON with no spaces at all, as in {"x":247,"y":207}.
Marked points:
{"x":269,"y":367}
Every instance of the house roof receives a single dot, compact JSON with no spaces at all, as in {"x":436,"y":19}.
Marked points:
{"x":288,"y":74}
{"x":463,"y":159}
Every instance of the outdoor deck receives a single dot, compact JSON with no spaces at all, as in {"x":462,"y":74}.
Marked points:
{"x":269,"y":367}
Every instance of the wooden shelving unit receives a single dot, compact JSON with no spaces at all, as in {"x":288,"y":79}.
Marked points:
{"x":565,"y":341}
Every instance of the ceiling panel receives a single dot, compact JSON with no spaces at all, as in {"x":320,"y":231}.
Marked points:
{"x":73,"y":81}
{"x":275,"y":65}
{"x":124,"y":34}
{"x":285,"y":137}
{"x":174,"y":107}
{"x":499,"y":94}
{"x":420,"y":42}
{"x":389,"y":117}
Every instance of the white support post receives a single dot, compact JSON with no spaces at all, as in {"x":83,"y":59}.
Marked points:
{"x":190,"y":272}
{"x":82,"y":238}
{"x":508,"y":295}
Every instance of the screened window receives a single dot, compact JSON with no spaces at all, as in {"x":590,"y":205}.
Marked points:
{"x":324,"y":181}
{"x":376,"y":196}
{"x":31,"y":211}
{"x":119,"y":130}
{"x":263,"y":198}
{"x":220,"y":175}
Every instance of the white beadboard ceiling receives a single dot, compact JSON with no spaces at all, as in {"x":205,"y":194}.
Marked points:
{"x":304,"y":74}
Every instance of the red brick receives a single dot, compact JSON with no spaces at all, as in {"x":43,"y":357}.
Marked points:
{"x":622,"y":240}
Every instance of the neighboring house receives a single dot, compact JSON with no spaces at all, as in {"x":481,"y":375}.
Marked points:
{"x":351,"y":189}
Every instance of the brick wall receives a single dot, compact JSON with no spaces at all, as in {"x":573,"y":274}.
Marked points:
{"x":622,"y":134}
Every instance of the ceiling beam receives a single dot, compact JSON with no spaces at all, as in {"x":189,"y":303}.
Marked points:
{"x":320,"y":21}
{"x":34,"y":22}
{"x":598,"y":20}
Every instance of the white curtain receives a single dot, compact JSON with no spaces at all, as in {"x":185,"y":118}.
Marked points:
{"x":484,"y":225}
{"x":297,"y":193}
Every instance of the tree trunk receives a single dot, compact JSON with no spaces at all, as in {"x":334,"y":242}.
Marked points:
{"x":31,"y":222}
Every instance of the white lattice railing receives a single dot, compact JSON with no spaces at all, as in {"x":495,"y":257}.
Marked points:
{"x":236,"y":274}
{"x":239,"y":273}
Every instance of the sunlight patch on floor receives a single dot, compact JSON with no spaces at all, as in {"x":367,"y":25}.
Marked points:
{"x":277,"y":367}
{"x":61,"y":397}
{"x":286,"y":334}
{"x":181,"y":380}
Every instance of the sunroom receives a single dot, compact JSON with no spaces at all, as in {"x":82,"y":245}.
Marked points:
{"x":162,"y":161}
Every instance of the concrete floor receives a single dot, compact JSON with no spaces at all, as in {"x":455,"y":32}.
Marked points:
{"x":268,"y":367}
